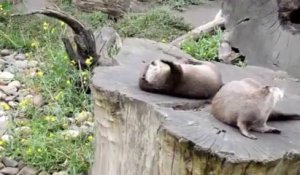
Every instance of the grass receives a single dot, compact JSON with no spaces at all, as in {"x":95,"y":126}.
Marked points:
{"x":157,"y":24}
{"x":206,"y":47}
{"x":43,"y":145}
{"x":179,"y":4}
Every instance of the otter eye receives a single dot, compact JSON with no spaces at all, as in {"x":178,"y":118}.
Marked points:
{"x":153,"y":63}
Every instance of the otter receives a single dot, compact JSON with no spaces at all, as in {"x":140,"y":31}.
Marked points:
{"x":198,"y":80}
{"x":247,"y":104}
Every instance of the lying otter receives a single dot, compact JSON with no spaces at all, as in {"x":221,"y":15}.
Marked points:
{"x":246,"y":104}
{"x":197,"y":81}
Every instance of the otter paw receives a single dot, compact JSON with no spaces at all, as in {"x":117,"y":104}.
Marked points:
{"x":250,"y":136}
{"x":275,"y":131}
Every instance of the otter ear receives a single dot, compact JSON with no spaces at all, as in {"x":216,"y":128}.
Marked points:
{"x":266,"y":89}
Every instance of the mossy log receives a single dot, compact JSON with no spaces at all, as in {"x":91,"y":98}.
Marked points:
{"x":266,"y":32}
{"x":151,"y":134}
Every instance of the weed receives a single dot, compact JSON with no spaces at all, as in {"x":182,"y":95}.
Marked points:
{"x":206,"y":48}
{"x":43,"y":146}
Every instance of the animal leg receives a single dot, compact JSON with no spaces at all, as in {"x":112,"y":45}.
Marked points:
{"x":267,"y":129}
{"x":244,"y":130}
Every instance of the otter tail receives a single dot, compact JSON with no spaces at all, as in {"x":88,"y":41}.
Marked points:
{"x":279,"y":116}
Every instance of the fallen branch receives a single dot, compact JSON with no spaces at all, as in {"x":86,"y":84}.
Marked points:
{"x":88,"y":44}
{"x":206,"y":28}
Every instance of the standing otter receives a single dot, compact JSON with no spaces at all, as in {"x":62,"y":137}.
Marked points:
{"x":197,"y":81}
{"x":246,"y":104}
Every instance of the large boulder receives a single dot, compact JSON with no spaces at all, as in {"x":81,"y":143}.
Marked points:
{"x":151,"y":134}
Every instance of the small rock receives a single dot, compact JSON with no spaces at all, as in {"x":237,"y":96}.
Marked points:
{"x":10,"y":98}
{"x":6,"y":76}
{"x":2,"y":96}
{"x":38,"y":100}
{"x":44,"y":173}
{"x":9,"y":90}
{"x":27,"y":170}
{"x":23,"y":130}
{"x":7,"y":138}
{"x":21,"y":64}
{"x":12,"y":104}
{"x":60,"y":173}
{"x":10,"y":59}
{"x":71,"y":134}
{"x":9,"y":162}
{"x":5,"y":52}
{"x":20,"y":56}
{"x":82,"y":117}
{"x":15,"y":83}
{"x":9,"y":171}
{"x":1,"y":165}
{"x":2,"y":113}
{"x":21,"y":164}
{"x":32,"y":63}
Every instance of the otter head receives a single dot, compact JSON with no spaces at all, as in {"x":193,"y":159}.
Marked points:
{"x":275,"y":93}
{"x":156,"y":74}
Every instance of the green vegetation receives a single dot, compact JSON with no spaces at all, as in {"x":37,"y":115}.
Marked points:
{"x":179,"y":4}
{"x":157,"y":24}
{"x":43,"y":145}
{"x":205,"y":48}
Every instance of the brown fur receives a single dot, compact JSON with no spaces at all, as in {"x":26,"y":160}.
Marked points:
{"x":197,"y":81}
{"x":246,"y":104}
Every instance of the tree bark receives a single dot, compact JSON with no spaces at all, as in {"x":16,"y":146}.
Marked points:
{"x":266,"y":32}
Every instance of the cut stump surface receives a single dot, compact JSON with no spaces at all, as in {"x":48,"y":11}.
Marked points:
{"x":144,"y":133}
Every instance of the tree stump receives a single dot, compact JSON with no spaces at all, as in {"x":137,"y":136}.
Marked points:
{"x":266,"y":32}
{"x":151,"y":134}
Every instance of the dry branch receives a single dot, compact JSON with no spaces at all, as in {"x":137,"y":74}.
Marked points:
{"x":86,"y":44}
{"x":195,"y":33}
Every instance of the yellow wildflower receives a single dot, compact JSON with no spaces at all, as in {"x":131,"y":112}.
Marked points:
{"x":68,"y":82}
{"x":50,"y":118}
{"x":58,"y":96}
{"x":188,"y":48}
{"x":29,"y":151}
{"x":23,"y":141}
{"x":39,"y":73}
{"x":62,"y":23}
{"x":45,"y":25}
{"x":53,"y":30}
{"x":39,"y":150}
{"x":89,"y":61}
{"x":1,"y":7}
{"x":90,"y":138}
{"x":83,"y":73}
{"x":51,"y":135}
{"x":5,"y":106}
{"x":65,"y":125}
{"x":53,"y":119}
{"x":2,"y":142}
{"x":73,"y":62}
{"x":163,"y":41}
{"x":66,"y":57}
{"x":34,"y":44}
{"x":24,"y":103}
